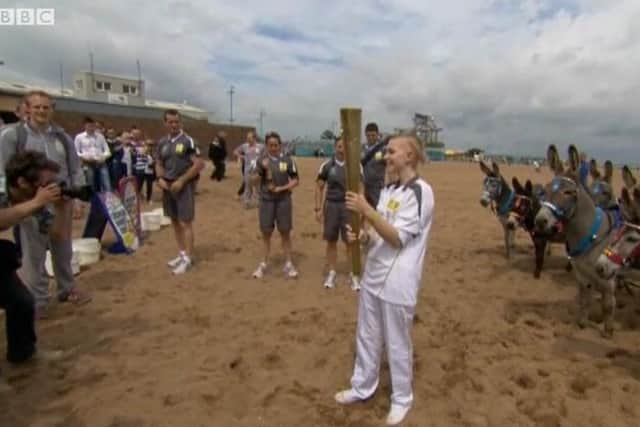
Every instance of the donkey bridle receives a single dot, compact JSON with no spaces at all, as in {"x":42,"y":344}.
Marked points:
{"x":615,"y":257}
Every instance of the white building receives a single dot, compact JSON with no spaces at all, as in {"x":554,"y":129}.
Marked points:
{"x":109,"y":88}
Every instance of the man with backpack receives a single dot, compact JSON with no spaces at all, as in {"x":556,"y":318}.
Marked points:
{"x":40,"y":134}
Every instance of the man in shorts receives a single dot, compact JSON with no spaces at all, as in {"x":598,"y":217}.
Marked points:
{"x":177,"y":166}
{"x":330,"y":210}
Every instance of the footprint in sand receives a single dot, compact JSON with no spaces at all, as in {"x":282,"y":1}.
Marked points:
{"x":581,"y":384}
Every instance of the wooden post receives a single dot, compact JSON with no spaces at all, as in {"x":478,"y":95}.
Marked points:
{"x":351,"y":122}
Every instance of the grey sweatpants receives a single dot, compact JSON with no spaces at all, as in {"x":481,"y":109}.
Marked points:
{"x":34,"y":251}
{"x":250,"y":193}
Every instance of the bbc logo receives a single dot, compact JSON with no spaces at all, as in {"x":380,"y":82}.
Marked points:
{"x":27,"y":17}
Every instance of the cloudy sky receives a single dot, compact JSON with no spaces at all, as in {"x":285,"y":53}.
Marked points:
{"x":508,"y":75}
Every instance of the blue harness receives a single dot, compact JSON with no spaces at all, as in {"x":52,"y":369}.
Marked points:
{"x":505,"y":206}
{"x":585,"y":243}
{"x":616,"y":216}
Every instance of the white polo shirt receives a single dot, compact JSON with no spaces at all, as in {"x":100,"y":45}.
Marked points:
{"x":394,"y":275}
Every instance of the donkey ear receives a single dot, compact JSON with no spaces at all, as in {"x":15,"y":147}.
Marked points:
{"x":484,"y":168}
{"x":496,"y":168}
{"x":608,"y":171}
{"x":627,"y":177}
{"x":554,"y":160}
{"x":528,"y":187}
{"x":625,"y":197}
{"x":626,"y":207}
{"x":574,"y":158}
{"x":517,"y":186}
{"x":593,"y":169}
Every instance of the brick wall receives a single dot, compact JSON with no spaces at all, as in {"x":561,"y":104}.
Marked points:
{"x":201,"y":130}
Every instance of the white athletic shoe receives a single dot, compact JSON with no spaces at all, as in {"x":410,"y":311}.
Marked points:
{"x":354,"y":282}
{"x":290,"y":271}
{"x":183,"y":266}
{"x":259,"y":273}
{"x":175,"y":262}
{"x":330,"y":282}
{"x":347,"y":397}
{"x":397,"y":414}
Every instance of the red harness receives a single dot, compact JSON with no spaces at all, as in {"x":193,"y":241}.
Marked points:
{"x":615,"y":257}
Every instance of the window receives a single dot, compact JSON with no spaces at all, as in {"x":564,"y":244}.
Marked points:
{"x":107,"y":86}
{"x":130,"y":89}
{"x":79,"y":84}
{"x":99,"y":85}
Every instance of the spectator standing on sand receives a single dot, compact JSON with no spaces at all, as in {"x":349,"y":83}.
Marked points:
{"x":330,"y":210}
{"x":93,"y":151}
{"x":177,"y":166}
{"x":249,"y":152}
{"x":373,"y":164}
{"x":41,"y":134}
{"x":276,"y":174}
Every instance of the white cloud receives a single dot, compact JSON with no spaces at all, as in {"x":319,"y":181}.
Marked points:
{"x":511,"y":74}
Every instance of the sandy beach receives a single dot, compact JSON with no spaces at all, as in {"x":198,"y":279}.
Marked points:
{"x":214,"y":347}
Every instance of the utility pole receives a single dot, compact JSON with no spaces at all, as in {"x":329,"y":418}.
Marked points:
{"x":61,"y":81}
{"x":261,"y":116}
{"x":231,"y":92}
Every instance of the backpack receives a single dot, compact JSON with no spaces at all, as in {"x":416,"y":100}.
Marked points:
{"x":21,"y":142}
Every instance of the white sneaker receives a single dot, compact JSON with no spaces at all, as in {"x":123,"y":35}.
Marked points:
{"x":397,"y":414}
{"x":259,"y":273}
{"x":347,"y":397}
{"x":183,"y":266}
{"x":354,"y":282}
{"x":290,"y":271}
{"x":48,"y":355}
{"x":175,"y":262}
{"x":330,"y":282}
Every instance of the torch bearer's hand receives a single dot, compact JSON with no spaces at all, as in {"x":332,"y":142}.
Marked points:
{"x":356,"y":202}
{"x":363,"y":236}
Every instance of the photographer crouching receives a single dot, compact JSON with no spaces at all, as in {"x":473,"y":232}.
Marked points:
{"x":32,"y":189}
{"x":41,"y":134}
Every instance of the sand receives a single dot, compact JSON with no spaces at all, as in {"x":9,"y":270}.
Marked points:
{"x":493,"y":346}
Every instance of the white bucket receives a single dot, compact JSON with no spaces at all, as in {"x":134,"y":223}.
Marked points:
{"x":48,"y":264}
{"x":165,"y":220}
{"x":88,"y":251}
{"x":150,"y":221}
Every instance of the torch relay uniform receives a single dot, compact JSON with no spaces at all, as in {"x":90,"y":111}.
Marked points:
{"x":390,"y":285}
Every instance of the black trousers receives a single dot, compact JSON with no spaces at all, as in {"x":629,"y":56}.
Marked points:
{"x":219,"y":170}
{"x":145,"y":179}
{"x":19,"y":306}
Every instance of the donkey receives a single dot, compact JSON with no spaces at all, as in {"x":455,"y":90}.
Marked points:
{"x":497,"y":194}
{"x":601,"y":191}
{"x":623,"y":252}
{"x":525,"y":209}
{"x":588,"y":229}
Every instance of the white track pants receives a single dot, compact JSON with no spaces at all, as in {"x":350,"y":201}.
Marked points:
{"x":379,"y":323}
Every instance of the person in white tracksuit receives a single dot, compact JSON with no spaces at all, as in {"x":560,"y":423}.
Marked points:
{"x":397,"y":244}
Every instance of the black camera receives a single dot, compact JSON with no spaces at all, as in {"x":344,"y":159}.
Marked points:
{"x":83,"y":193}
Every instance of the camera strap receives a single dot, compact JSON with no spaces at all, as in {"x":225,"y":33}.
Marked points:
{"x":21,"y":143}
